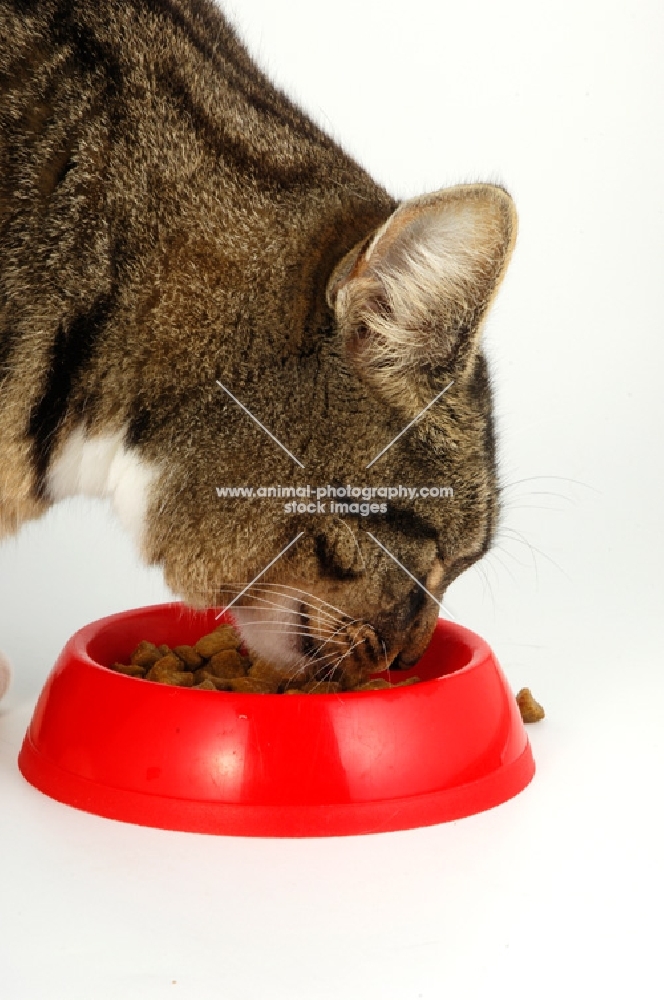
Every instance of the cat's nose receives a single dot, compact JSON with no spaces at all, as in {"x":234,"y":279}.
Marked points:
{"x":405,"y":637}
{"x":417,"y":637}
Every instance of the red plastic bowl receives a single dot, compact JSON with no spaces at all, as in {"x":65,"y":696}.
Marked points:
{"x":270,"y":765}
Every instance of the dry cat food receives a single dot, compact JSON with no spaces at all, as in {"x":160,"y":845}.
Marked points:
{"x":531,"y":710}
{"x":218,"y":662}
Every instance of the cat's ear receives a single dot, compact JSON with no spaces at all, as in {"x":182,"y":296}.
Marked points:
{"x":414,"y":293}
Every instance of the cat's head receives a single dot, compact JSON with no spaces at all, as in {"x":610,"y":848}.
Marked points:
{"x":397,"y":321}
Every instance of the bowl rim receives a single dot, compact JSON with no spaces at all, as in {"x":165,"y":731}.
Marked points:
{"x":80,"y":640}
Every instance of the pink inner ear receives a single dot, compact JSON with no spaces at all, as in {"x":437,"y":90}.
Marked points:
{"x":416,"y":294}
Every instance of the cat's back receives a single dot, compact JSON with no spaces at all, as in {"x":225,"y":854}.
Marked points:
{"x":155,"y":189}
{"x":161,"y":83}
{"x":125,"y":124}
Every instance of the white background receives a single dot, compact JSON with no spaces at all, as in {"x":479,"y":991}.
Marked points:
{"x":558,"y":891}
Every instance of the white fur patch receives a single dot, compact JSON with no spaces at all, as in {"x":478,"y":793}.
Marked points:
{"x":271,"y":633}
{"x":101,"y":466}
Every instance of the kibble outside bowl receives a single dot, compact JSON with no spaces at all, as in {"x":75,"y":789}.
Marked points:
{"x":272,"y":765}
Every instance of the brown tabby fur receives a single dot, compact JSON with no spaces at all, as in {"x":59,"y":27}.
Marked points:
{"x":168,"y":219}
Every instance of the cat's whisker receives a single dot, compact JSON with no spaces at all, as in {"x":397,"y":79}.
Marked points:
{"x":321,"y":636}
{"x":499,"y":547}
{"x":532,"y":506}
{"x":530,"y":479}
{"x":229,"y":588}
{"x":486,"y":582}
{"x":504,"y":533}
{"x":496,"y":576}
{"x":315,"y":654}
{"x":542,"y":493}
{"x":265,"y":603}
{"x":354,"y":643}
{"x":518,"y":537}
{"x":298,"y":590}
{"x":312,"y":656}
{"x":301,"y":668}
{"x":279,"y":628}
{"x":337,"y":663}
{"x":290,"y":632}
{"x":287,"y":623}
{"x":356,"y":541}
{"x":387,"y":666}
{"x":296,"y":622}
{"x":496,"y":554}
{"x":327,"y":668}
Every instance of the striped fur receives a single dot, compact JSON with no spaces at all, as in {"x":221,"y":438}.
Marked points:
{"x":168,"y":219}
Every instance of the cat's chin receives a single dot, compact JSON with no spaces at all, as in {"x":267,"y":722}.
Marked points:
{"x":270,"y":635}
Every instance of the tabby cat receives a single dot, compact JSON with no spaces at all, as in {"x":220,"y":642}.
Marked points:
{"x":200,"y":289}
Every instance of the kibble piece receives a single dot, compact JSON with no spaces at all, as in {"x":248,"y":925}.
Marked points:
{"x":222,"y":638}
{"x":377,"y":684}
{"x":220,"y":683}
{"x":170,"y":661}
{"x":252,"y":685}
{"x":227,"y":629}
{"x":531,"y":710}
{"x":145,"y":654}
{"x":205,"y":685}
{"x":326,"y":672}
{"x":168,"y":670}
{"x":262,"y":670}
{"x":223,"y":683}
{"x":408,"y":680}
{"x":321,"y":687}
{"x":191,"y":659}
{"x":176,"y":678}
{"x":164,"y":649}
{"x":296,"y":682}
{"x":227,"y":663}
{"x":130,"y":669}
